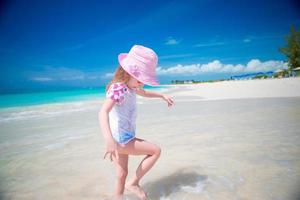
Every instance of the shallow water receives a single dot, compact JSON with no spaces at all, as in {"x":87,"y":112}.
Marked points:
{"x":226,"y":149}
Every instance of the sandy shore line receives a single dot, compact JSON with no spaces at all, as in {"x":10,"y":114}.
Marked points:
{"x":265,"y":88}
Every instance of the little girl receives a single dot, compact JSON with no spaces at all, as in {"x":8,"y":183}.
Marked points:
{"x":118,"y":116}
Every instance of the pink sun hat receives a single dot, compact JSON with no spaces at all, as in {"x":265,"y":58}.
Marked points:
{"x":140,"y":63}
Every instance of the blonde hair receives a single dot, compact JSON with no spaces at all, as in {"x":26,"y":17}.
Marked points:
{"x":120,"y":76}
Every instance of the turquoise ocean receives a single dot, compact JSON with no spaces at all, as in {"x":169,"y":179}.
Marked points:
{"x":21,"y":99}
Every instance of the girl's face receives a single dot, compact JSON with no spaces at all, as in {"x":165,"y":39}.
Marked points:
{"x":134,"y":83}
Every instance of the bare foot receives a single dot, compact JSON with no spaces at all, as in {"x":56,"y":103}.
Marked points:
{"x":137,"y":190}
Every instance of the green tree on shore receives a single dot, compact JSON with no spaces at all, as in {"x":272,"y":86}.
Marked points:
{"x":292,"y":49}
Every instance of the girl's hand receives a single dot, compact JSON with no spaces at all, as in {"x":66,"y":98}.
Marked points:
{"x":168,"y":99}
{"x":111,"y":149}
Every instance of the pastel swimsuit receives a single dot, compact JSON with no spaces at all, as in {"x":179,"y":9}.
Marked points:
{"x":122,"y":116}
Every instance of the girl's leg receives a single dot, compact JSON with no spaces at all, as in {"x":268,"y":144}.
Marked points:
{"x":122,"y":171}
{"x":140,"y":147}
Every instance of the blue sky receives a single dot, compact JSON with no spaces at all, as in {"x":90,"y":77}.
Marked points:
{"x":46,"y":44}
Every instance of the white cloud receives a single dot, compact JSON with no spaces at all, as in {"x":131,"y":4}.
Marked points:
{"x":179,"y":69}
{"x":256,"y":65}
{"x":247,"y":40}
{"x":79,"y":77}
{"x":176,"y":56}
{"x":50,"y":73}
{"x":108,"y":75}
{"x":41,"y":79}
{"x":171,"y":41}
{"x":68,"y":74}
{"x":216,"y":66}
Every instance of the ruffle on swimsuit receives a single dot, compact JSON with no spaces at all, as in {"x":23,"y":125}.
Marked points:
{"x":117,"y":92}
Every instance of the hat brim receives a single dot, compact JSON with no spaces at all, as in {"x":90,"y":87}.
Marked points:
{"x":121,"y":58}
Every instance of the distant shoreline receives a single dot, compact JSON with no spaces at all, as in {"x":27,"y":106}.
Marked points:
{"x":227,"y":89}
{"x":227,"y":80}
{"x":235,"y":89}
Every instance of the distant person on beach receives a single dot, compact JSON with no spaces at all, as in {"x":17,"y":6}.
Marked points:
{"x":118,"y":117}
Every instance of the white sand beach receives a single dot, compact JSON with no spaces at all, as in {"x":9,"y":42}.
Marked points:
{"x":240,"y":89}
{"x":230,"y":140}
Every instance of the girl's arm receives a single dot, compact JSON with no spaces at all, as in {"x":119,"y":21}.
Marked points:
{"x":111,"y":145}
{"x":147,"y":93}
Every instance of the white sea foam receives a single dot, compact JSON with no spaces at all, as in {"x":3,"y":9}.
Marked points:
{"x":195,"y":188}
{"x":198,"y":188}
{"x":45,"y":111}
{"x":55,"y":146}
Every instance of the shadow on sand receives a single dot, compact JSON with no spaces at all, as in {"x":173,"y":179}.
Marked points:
{"x":174,"y":182}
